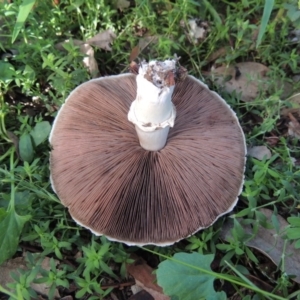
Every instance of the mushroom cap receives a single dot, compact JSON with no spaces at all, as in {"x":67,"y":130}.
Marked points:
{"x":116,"y":188}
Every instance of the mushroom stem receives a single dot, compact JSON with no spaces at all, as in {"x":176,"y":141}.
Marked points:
{"x":152,"y":112}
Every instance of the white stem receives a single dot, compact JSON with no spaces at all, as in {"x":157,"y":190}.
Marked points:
{"x":152,"y":112}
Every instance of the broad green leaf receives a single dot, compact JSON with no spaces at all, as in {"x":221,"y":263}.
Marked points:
{"x":10,"y":229}
{"x":23,"y":200}
{"x":292,"y":12}
{"x":24,"y":10}
{"x":187,"y":282}
{"x":7,"y":71}
{"x":297,"y":244}
{"x":40,"y":132}
{"x":2,"y":213}
{"x":265,"y":19}
{"x":217,"y":296}
{"x":26,"y":148}
{"x":295,"y":221}
{"x":293,"y":233}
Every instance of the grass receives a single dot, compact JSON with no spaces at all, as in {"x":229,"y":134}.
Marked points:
{"x":36,"y":78}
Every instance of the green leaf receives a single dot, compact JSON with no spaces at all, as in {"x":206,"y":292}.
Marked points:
{"x":7,"y":71}
{"x":187,"y":282}
{"x":108,"y":270}
{"x":293,"y":233}
{"x":251,"y":255}
{"x":295,"y":221}
{"x":297,"y":244}
{"x":81,"y":293}
{"x":24,"y":10}
{"x":23,"y":200}
{"x":265,"y":19}
{"x":273,"y":173}
{"x":292,"y":12}
{"x":40,"y":132}
{"x":243,"y":213}
{"x":10,"y":229}
{"x":26,"y":148}
{"x":217,"y":296}
{"x":2,"y":213}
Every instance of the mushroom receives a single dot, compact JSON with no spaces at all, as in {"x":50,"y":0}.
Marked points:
{"x":150,"y":171}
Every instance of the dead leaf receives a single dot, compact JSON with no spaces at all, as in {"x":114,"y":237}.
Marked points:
{"x":295,"y":36}
{"x":146,"y":41}
{"x":143,"y":43}
{"x":144,"y":278}
{"x":198,"y":29}
{"x":102,"y":40}
{"x":12,"y":265}
{"x":218,"y":53}
{"x":294,"y":105}
{"x":134,"y":53}
{"x":61,"y":46}
{"x":44,"y":288}
{"x":15,"y":140}
{"x":89,"y":60}
{"x":271,"y":244}
{"x":259,"y":152}
{"x":134,"y":68}
{"x":246,"y":78}
{"x":142,"y":295}
{"x":260,"y":283}
{"x":122,"y":4}
{"x":272,"y":140}
{"x":294,"y":127}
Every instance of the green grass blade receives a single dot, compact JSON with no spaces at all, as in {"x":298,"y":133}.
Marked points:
{"x":265,"y":19}
{"x":212,"y":11}
{"x":24,"y":11}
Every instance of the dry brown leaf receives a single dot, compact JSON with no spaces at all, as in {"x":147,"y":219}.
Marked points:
{"x":294,"y":127}
{"x":198,"y":30}
{"x":295,"y":105}
{"x":246,"y":78}
{"x":15,"y":140}
{"x":271,"y":244}
{"x":103,"y":39}
{"x":259,"y":152}
{"x":134,"y":53}
{"x":141,"y":295}
{"x":12,"y":265}
{"x":60,"y":46}
{"x":218,"y":53}
{"x":143,"y":43}
{"x":122,"y":4}
{"x":89,"y":60}
{"x":144,"y":278}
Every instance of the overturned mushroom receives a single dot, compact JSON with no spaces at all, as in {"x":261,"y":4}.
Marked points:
{"x":147,"y":182}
